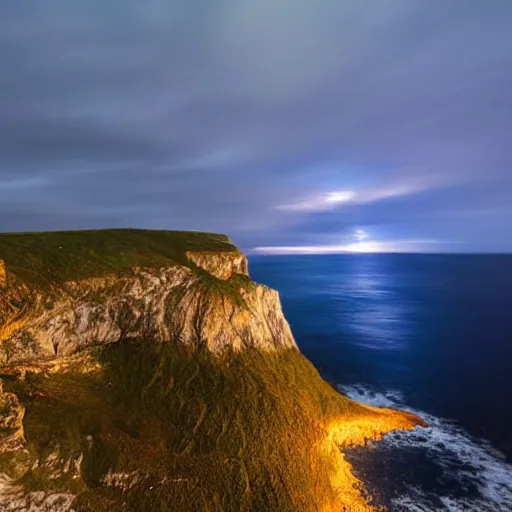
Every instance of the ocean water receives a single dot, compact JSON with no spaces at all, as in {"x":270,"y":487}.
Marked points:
{"x":428,"y":333}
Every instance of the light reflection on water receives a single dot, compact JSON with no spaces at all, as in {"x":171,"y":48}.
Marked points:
{"x":372,"y":307}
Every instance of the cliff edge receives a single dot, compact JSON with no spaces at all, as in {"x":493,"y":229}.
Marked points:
{"x":145,"y":370}
{"x":64,"y":292}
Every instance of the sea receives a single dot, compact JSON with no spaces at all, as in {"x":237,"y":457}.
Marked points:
{"x":431,"y":334}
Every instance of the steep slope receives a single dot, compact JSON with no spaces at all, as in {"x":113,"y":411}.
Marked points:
{"x":145,"y":371}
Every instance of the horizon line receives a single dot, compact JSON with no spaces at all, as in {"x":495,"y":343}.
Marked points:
{"x":407,"y":246}
{"x":252,"y":252}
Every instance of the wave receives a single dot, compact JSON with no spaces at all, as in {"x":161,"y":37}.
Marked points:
{"x":479,"y":478}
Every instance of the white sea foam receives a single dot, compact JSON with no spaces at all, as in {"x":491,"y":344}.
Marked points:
{"x":454,"y":451}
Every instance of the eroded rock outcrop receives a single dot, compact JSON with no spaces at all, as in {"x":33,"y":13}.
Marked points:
{"x":15,"y":498}
{"x":14,"y":455}
{"x":222,"y":265}
{"x":168,"y":303}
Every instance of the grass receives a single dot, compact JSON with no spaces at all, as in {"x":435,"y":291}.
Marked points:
{"x":230,"y":287}
{"x":246,"y":433}
{"x":50,"y":259}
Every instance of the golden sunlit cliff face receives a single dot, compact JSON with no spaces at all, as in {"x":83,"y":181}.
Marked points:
{"x":145,"y":371}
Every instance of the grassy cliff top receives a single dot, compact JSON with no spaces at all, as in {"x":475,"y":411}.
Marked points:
{"x":73,"y":255}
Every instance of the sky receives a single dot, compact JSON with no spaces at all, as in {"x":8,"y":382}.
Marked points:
{"x":290,"y":125}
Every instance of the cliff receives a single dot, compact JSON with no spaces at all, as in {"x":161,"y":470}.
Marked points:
{"x":144,"y":370}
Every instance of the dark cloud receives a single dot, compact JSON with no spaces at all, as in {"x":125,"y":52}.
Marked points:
{"x":213,"y":115}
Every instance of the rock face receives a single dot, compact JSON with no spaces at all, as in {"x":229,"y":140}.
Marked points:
{"x":12,"y":441}
{"x":221,"y":265}
{"x":3,"y":274}
{"x":159,"y":304}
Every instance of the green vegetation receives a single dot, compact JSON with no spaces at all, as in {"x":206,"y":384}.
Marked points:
{"x":49,"y":259}
{"x":203,"y":434}
{"x":230,"y":287}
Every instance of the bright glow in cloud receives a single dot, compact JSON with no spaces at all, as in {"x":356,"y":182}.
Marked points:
{"x":370,"y":247}
{"x":325,"y":249}
{"x":320,"y":203}
{"x":402,"y":186}
{"x":339,"y":197}
{"x":358,"y":247}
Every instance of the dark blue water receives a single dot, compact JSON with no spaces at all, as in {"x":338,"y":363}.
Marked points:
{"x":429,"y":333}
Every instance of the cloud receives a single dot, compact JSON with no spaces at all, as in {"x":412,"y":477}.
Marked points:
{"x":391,"y":187}
{"x":327,"y":201}
{"x":209,"y":115}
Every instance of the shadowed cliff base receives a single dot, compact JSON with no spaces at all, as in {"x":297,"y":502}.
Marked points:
{"x":186,"y":423}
